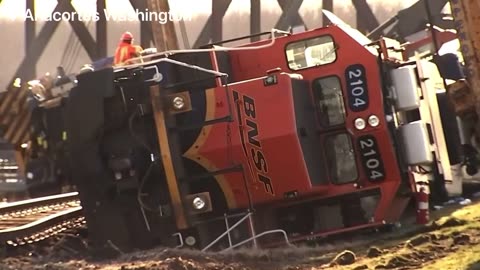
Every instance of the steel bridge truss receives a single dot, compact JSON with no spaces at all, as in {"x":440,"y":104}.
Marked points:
{"x":96,"y":47}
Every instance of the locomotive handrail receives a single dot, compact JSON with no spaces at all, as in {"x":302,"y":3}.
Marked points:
{"x":180,"y":237}
{"x":258,"y":236}
{"x":227,"y":231}
{"x":217,"y":73}
{"x":244,"y":37}
{"x":219,"y":48}
{"x":253,"y":238}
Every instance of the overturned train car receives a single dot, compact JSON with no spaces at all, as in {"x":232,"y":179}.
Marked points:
{"x":33,"y":129}
{"x":289,"y":138}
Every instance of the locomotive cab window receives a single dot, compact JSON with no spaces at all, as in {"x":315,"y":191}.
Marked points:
{"x":311,"y":52}
{"x":328,"y":96}
{"x":341,"y":158}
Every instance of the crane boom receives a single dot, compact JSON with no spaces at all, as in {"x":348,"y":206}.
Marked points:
{"x":165,"y":38}
{"x":164,"y":35}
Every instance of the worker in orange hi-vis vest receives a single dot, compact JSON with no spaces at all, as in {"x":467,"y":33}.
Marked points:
{"x":126,"y":50}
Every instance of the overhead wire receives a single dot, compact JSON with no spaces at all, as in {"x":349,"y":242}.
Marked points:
{"x":72,"y":59}
{"x":75,"y":52}
{"x":68,"y":49}
{"x":71,"y":44}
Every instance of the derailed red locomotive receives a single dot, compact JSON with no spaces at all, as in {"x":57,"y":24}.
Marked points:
{"x":293,"y":137}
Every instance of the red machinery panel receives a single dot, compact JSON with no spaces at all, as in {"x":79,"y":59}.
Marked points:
{"x":262,"y":139}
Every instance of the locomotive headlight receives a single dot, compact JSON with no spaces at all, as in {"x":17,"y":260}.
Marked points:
{"x":373,"y":121}
{"x":178,"y":103}
{"x":360,"y":123}
{"x":198,"y":203}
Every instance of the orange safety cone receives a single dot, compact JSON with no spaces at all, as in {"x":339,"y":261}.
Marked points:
{"x":423,"y":215}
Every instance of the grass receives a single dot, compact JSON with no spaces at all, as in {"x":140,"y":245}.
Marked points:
{"x":468,"y":257}
{"x":465,"y":257}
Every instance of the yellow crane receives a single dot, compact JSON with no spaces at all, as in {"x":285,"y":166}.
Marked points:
{"x":465,"y":94}
{"x":165,"y":39}
{"x":164,"y":35}
{"x":467,"y":21}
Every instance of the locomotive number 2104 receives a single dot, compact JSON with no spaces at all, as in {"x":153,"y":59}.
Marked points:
{"x":357,"y":87}
{"x":371,"y":158}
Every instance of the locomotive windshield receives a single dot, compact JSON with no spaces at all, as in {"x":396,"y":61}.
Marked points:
{"x":340,"y":158}
{"x":338,"y":147}
{"x":329,"y":100}
{"x":311,"y":52}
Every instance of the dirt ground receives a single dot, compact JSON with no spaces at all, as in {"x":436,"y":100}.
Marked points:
{"x":451,"y":241}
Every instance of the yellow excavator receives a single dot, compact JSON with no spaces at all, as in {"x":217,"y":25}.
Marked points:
{"x":467,"y":23}
{"x":457,"y":59}
{"x":465,"y":92}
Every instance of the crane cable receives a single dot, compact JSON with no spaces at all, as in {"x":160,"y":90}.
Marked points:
{"x":74,"y":56}
{"x":71,"y":44}
{"x":72,"y":60}
{"x":75,"y":52}
{"x":68,"y":49}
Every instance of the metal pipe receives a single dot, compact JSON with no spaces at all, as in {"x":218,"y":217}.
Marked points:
{"x":258,"y":236}
{"x":227,"y":226}
{"x":227,"y":232}
{"x":176,"y":63}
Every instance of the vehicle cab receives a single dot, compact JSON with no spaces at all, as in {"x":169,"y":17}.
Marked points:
{"x":358,"y":147}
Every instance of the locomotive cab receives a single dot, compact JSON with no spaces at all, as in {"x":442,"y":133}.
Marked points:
{"x":362,"y":181}
{"x":290,"y":138}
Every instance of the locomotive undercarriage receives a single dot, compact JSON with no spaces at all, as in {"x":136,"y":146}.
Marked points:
{"x":119,"y":167}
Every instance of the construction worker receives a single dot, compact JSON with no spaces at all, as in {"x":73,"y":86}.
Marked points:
{"x":126,"y":50}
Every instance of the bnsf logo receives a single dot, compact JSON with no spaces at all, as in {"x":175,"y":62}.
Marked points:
{"x":249,"y":129}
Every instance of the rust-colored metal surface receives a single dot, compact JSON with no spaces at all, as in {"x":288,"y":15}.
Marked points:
{"x":15,"y":115}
